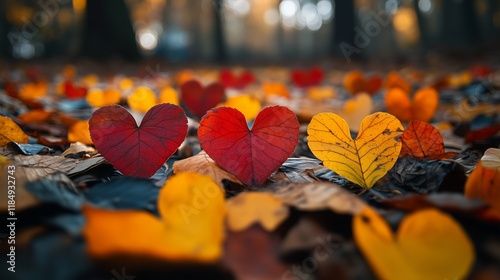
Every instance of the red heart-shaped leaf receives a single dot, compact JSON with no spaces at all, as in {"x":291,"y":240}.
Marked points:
{"x":309,"y":78}
{"x":138,"y":150}
{"x":422,"y":140}
{"x":230,"y":80}
{"x":73,"y":91}
{"x":198,"y":99}
{"x":250,"y":154}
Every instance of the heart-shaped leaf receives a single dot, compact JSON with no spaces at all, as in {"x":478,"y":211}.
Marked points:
{"x":428,"y":245}
{"x":74,"y":92}
{"x":307,"y":78}
{"x":138,"y":150}
{"x":363,"y":160}
{"x":198,"y":99}
{"x":355,"y":82}
{"x":232,"y":80}
{"x":424,"y":105}
{"x":356,"y":109}
{"x":250,"y":154}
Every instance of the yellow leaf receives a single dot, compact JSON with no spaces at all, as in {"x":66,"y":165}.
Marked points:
{"x":356,"y":109}
{"x":125,"y":84}
{"x":193,"y":206}
{"x":249,"y":106}
{"x":191,"y":227}
{"x":142,"y":99}
{"x":169,"y":95}
{"x":248,"y":208}
{"x":321,"y":93}
{"x":98,"y":98}
{"x":79,"y":132}
{"x":90,"y":80}
{"x":10,"y":132}
{"x":428,"y":245}
{"x":363,"y":160}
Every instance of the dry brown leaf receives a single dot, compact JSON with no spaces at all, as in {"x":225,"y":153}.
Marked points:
{"x":203,"y":164}
{"x":319,"y":196}
{"x":77,"y":147}
{"x":36,"y":167}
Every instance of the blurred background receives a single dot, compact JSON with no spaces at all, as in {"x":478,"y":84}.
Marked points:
{"x":239,"y":31}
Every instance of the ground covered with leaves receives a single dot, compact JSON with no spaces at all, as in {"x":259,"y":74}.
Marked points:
{"x":262,"y":173}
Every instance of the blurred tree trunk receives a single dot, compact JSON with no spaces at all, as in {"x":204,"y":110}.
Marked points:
{"x":220,"y":47}
{"x":343,"y":31}
{"x":459,"y":24}
{"x":108,"y":31}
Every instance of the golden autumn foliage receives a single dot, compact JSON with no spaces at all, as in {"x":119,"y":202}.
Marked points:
{"x":246,"y":104}
{"x":484,"y":181}
{"x":79,"y":132}
{"x":363,"y":160}
{"x":429,"y":244}
{"x":191,"y":226}
{"x":142,"y":99}
{"x":11,"y":132}
{"x":98,"y":98}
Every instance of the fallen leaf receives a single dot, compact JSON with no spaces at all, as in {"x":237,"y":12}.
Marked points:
{"x":199,"y":99}
{"x":98,"y":98}
{"x":73,"y":91}
{"x":394,"y":80}
{"x":77,"y":147}
{"x":36,"y":116}
{"x":320,"y":196}
{"x":275,"y":89}
{"x":250,"y":154}
{"x":248,"y":208}
{"x":79,"y":132}
{"x":193,"y":209}
{"x":138,"y":150}
{"x":320,"y":94}
{"x":363,"y":160}
{"x":169,"y":95}
{"x":482,"y":133}
{"x":11,"y":132}
{"x":142,"y":99}
{"x":203,"y":164}
{"x":307,"y":78}
{"x":428,"y":245}
{"x":125,"y":84}
{"x":484,"y":181}
{"x":356,"y":109}
{"x":36,"y":167}
{"x":33,"y":90}
{"x":184,"y":76}
{"x":355,"y":82}
{"x":236,"y":80}
{"x":424,"y":105}
{"x":247,"y":105}
{"x":174,"y":237}
{"x":422,"y":140}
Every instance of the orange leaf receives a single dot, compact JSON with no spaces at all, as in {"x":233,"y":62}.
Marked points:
{"x":354,"y":82}
{"x":246,"y":104}
{"x":484,"y":181}
{"x":10,"y":132}
{"x":276,"y":89}
{"x":79,"y":132}
{"x":248,"y":208}
{"x":423,"y":107}
{"x":421,"y":140}
{"x":98,"y":98}
{"x":425,"y":104}
{"x":194,"y":235}
{"x":428,"y":245}
{"x":36,"y":116}
{"x":320,"y":93}
{"x":33,"y":91}
{"x":394,"y":80}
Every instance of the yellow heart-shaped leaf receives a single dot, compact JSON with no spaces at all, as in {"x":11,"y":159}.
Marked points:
{"x":428,"y":245}
{"x":363,"y":160}
{"x":192,"y":210}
